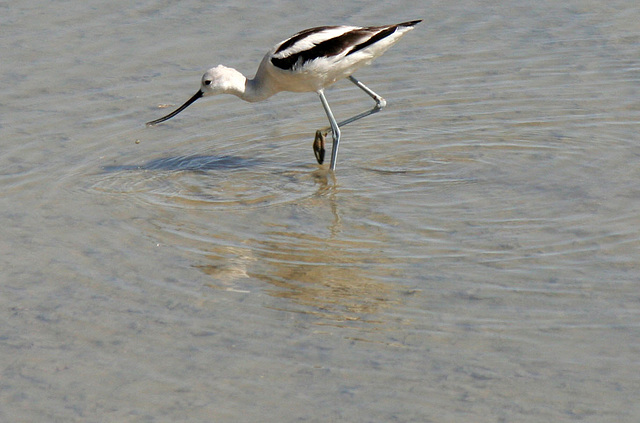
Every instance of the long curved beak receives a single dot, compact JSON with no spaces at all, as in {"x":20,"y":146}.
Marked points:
{"x":178,"y":110}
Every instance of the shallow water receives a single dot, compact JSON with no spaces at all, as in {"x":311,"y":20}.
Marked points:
{"x":474,"y":258}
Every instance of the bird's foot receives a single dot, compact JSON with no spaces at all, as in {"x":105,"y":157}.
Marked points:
{"x":318,"y":146}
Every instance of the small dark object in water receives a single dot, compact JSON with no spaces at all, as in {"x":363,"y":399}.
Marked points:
{"x":318,"y":146}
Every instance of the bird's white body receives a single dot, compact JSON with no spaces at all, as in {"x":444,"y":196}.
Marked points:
{"x":309,"y":61}
{"x":311,"y":76}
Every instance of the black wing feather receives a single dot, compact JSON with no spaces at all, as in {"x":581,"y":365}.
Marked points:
{"x":328,"y":48}
{"x":333,"y":46}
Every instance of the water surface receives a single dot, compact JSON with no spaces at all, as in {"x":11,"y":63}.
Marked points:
{"x":474,"y":257}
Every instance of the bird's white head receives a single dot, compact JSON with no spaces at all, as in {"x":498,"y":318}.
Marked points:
{"x":218,"y":80}
{"x":222,"y":80}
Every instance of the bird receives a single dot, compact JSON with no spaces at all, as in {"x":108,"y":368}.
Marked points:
{"x":309,"y":61}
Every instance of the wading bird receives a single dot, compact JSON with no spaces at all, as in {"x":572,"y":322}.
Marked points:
{"x":309,"y":61}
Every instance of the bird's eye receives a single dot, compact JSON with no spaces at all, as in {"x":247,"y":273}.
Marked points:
{"x":207,"y":82}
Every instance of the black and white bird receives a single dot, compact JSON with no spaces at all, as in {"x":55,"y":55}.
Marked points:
{"x":309,"y":61}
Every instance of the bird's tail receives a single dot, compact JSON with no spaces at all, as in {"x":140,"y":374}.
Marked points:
{"x":410,"y":23}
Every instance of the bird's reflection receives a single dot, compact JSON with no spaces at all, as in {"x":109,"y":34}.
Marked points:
{"x":335,"y":279}
{"x":308,"y":259}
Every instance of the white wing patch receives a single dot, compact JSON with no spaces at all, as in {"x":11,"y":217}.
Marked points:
{"x":308,"y":39}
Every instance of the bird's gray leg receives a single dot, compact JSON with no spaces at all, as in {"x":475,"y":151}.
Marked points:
{"x":318,"y":144}
{"x":380,"y":104}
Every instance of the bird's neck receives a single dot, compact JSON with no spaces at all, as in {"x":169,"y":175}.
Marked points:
{"x":256,"y":89}
{"x":261,"y":86}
